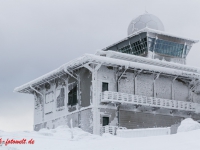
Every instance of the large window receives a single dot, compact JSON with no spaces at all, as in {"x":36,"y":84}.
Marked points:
{"x":60,"y":97}
{"x":72,"y":95}
{"x":167,"y":48}
{"x":136,"y":48}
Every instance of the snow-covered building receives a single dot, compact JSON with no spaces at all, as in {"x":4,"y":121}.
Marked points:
{"x":141,"y":81}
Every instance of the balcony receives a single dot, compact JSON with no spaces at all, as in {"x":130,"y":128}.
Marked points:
{"x":116,"y":97}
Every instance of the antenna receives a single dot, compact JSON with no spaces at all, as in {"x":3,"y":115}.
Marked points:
{"x":146,"y":10}
{"x":146,"y":7}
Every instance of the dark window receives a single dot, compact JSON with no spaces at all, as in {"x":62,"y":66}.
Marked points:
{"x":104,"y":86}
{"x":105,"y":121}
{"x":72,"y":96}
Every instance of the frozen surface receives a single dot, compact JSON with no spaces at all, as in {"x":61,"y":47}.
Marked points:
{"x":60,"y":138}
{"x":188,"y":125}
{"x":133,"y":133}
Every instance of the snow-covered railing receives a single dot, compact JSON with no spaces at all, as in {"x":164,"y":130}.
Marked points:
{"x":131,"y":133}
{"x":111,"y":129}
{"x":109,"y":96}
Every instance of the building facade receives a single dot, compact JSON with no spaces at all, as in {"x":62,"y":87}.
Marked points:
{"x":141,"y":81}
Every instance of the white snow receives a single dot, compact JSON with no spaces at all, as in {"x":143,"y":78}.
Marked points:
{"x":133,"y":133}
{"x":188,"y":125}
{"x":60,"y":138}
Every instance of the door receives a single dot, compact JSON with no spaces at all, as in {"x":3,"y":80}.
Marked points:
{"x":105,"y":121}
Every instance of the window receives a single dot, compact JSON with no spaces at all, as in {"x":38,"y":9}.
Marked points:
{"x":104,"y":86}
{"x":105,"y":121}
{"x":49,"y":97}
{"x":166,"y":47}
{"x":48,"y":107}
{"x":72,"y":95}
{"x":136,"y":48}
{"x":60,"y":97}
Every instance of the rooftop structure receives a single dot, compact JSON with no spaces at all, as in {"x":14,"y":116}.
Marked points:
{"x":147,"y":38}
{"x":145,"y":21}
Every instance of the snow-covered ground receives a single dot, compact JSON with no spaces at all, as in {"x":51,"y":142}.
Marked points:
{"x":61,"y":138}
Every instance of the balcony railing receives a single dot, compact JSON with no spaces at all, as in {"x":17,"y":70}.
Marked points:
{"x":111,"y":129}
{"x":117,"y":97}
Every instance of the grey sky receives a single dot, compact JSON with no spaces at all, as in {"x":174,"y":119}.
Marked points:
{"x":37,"y":36}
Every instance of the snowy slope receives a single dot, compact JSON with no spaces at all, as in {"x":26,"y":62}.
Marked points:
{"x":60,"y":139}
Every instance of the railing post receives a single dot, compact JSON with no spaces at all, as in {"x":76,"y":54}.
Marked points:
{"x":112,"y":95}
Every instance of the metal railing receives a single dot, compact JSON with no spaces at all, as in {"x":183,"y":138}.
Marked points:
{"x":109,"y":96}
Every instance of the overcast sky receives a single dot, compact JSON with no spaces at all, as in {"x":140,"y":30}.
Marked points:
{"x":37,"y":36}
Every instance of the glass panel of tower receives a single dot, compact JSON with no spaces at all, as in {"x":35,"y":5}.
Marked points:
{"x":156,"y":45}
{"x":168,"y":48}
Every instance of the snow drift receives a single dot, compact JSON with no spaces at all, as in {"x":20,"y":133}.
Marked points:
{"x":60,"y":138}
{"x":188,"y":125}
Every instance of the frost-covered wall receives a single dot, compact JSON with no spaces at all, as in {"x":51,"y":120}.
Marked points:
{"x":38,"y":108}
{"x":126,"y":84}
{"x":164,"y":87}
{"x":144,"y":85}
{"x":147,"y":84}
{"x":53,"y":109}
{"x":48,"y":106}
{"x":51,"y":112}
{"x":86,"y":119}
{"x":85,"y":87}
{"x":195,"y":94}
{"x":80,"y":119}
{"x":107,"y":74}
{"x":111,"y":113}
{"x":133,"y":120}
{"x":181,"y":91}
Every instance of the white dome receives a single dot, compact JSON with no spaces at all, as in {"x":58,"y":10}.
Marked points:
{"x":143,"y":21}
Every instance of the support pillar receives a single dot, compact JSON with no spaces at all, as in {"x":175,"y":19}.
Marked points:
{"x":95,"y":101}
{"x":154,"y":84}
{"x":135,"y":81}
{"x":173,"y":96}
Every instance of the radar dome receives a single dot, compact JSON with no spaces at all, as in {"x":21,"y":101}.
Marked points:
{"x":145,"y":21}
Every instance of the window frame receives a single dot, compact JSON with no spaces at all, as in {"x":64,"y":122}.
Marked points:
{"x":46,"y":97}
{"x":103,"y":120}
{"x":65,"y":93}
{"x":73,"y":102}
{"x":102,"y":85}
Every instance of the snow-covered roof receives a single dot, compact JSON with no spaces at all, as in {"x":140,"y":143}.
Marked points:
{"x":133,"y":62}
{"x":145,"y":60}
{"x":148,"y":30}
